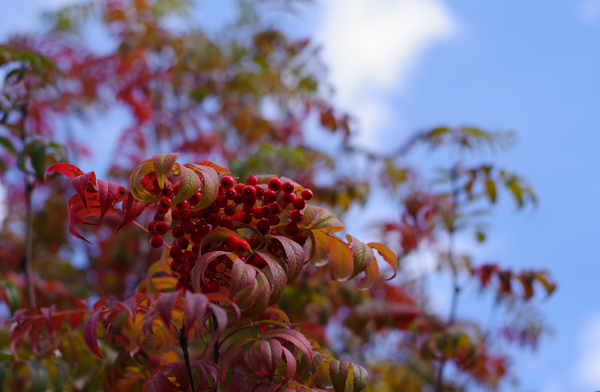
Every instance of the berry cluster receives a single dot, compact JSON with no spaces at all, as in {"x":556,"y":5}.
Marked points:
{"x":262,"y":210}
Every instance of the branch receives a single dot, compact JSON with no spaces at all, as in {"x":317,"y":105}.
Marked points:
{"x":183,"y":342}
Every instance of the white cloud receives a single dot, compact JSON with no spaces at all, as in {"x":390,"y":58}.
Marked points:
{"x":588,"y":369}
{"x":371,"y":47}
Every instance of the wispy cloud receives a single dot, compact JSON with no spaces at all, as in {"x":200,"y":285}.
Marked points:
{"x":589,"y":11}
{"x":372,"y":46}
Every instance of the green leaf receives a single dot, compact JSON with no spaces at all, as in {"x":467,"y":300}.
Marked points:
{"x":362,"y":255}
{"x":490,"y":186}
{"x":326,"y":220}
{"x":13,"y":294}
{"x":162,"y":166}
{"x":189,"y":183}
{"x":39,"y":376}
{"x":210,"y":184}
{"x":38,"y":159}
{"x":8,"y":145}
{"x":61,"y":376}
{"x":135,"y":182}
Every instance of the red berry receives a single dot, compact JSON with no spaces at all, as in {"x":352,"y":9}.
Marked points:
{"x":297,"y":216}
{"x":230,"y":194}
{"x":220,"y":268}
{"x":177,"y":231}
{"x":258,"y":262}
{"x":165,"y":201}
{"x":213,"y":286}
{"x":260,"y":191}
{"x":227,"y":223}
{"x":176,"y":214}
{"x":213,"y":208}
{"x":196,"y":237}
{"x":195,"y":198}
{"x":183,"y":205}
{"x":156,"y":241}
{"x":299,"y":203}
{"x":248,"y":209}
{"x":227,"y":182}
{"x":184,"y":279}
{"x":168,"y":192}
{"x":163,"y":209}
{"x":241,"y":246}
{"x":178,"y":285}
{"x":231,"y":242}
{"x":161,"y":228}
{"x":288,"y":187}
{"x":222,"y":201}
{"x":204,"y":230}
{"x":266,"y":212}
{"x":263,"y":226}
{"x":274,"y":184}
{"x":274,"y":207}
{"x":183,"y":243}
{"x":306,"y":194}
{"x":174,"y":265}
{"x":152,"y":228}
{"x":189,"y":227}
{"x":214,"y":219}
{"x":252,"y":180}
{"x":229,"y":210}
{"x":249,"y":202}
{"x":270,"y":196}
{"x":196,"y":248}
{"x":238,"y":199}
{"x":274,"y":219}
{"x":287,"y":198}
{"x":291,"y":229}
{"x":249,"y":192}
{"x":185,"y":216}
{"x":238,"y":188}
{"x":257,"y":213}
{"x":245,"y":218}
{"x":175,"y":189}
{"x":175,"y":252}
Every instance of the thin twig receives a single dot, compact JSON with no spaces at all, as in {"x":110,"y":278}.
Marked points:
{"x":183,"y":342}
{"x":29,"y":245}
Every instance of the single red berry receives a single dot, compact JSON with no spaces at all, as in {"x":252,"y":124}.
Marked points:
{"x":182,"y":206}
{"x":300,"y":239}
{"x":204,"y":230}
{"x":183,"y":243}
{"x":177,"y":231}
{"x":213,"y":286}
{"x":174,"y":264}
{"x":288,"y":187}
{"x":186,"y":216}
{"x":196,"y":248}
{"x":214,"y":219}
{"x":156,"y":241}
{"x":196,"y":237}
{"x":231,"y":242}
{"x":178,"y":285}
{"x":213,"y":208}
{"x":227,"y":223}
{"x":175,"y":189}
{"x":222,"y":201}
{"x":168,"y":192}
{"x":249,"y":192}
{"x":221,"y":267}
{"x":241,"y":246}
{"x":227,"y":182}
{"x":238,"y":199}
{"x":257,"y":213}
{"x":287,"y":198}
{"x":306,"y":194}
{"x":165,"y":201}
{"x":163,"y":209}
{"x":274,"y":184}
{"x":252,"y":180}
{"x":260,"y":191}
{"x":297,"y":216}
{"x":266,"y":212}
{"x":270,"y":196}
{"x":274,"y":207}
{"x":248,"y":209}
{"x":176,"y":214}
{"x":229,"y":210}
{"x":230,"y":194}
{"x":291,"y":229}
{"x":161,"y":228}
{"x":152,"y":228}
{"x":184,"y":279}
{"x":258,"y":262}
{"x":299,"y":203}
{"x":175,"y":252}
{"x":189,"y":227}
{"x":274,"y":219}
{"x":245,"y":218}
{"x":195,"y":198}
{"x":249,"y":202}
{"x":238,"y":188}
{"x":263,"y":226}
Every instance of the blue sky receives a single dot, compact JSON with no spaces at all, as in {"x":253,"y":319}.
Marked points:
{"x":527,"y":66}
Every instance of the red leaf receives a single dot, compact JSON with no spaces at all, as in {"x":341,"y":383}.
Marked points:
{"x":17,"y":335}
{"x":195,"y":306}
{"x":80,"y":184}
{"x":90,"y":333}
{"x":67,"y":169}
{"x":76,"y":318}
{"x":294,"y":337}
{"x":108,"y":192}
{"x":34,"y":333}
{"x":133,"y":208}
{"x":179,"y":370}
{"x":291,"y":365}
{"x":271,"y":353}
{"x":164,"y":306}
{"x":129,"y":305}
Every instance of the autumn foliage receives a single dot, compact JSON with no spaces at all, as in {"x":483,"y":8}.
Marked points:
{"x":234,"y":271}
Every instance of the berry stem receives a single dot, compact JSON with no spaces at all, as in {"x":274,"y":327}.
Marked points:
{"x":146,"y":230}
